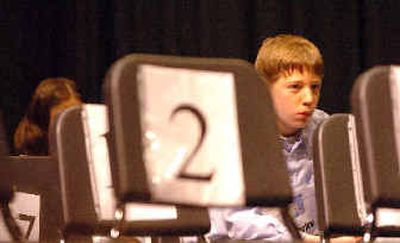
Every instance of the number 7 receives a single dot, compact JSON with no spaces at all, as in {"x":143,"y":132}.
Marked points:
{"x":30,"y":219}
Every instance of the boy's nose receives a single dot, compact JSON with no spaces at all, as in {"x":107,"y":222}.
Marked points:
{"x":307,"y":97}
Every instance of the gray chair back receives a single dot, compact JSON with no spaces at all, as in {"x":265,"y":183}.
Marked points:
{"x":376,"y":108}
{"x":227,"y":108}
{"x":81,"y":203}
{"x":337,"y":172}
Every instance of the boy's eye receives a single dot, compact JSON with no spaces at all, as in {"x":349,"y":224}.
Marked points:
{"x":316,"y":87}
{"x":295,"y":86}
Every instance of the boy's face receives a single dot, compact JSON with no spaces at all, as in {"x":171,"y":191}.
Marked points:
{"x":295,"y":96}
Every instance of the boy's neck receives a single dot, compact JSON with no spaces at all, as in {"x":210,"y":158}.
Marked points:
{"x":286,"y":132}
{"x":295,"y":134}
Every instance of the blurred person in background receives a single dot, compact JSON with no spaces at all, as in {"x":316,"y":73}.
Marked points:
{"x":51,"y":96}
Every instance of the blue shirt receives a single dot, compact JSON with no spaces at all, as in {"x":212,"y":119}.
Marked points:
{"x":266,"y":223}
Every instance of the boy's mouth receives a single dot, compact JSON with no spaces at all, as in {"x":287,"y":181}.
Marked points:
{"x":304,"y":115}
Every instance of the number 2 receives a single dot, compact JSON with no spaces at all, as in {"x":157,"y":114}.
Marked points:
{"x":203,"y":130}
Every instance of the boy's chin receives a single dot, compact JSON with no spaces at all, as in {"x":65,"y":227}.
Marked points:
{"x":301,"y":123}
{"x":289,"y":129}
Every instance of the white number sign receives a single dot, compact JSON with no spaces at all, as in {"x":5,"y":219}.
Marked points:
{"x":191,"y":139}
{"x":95,"y":127}
{"x":26,"y":212}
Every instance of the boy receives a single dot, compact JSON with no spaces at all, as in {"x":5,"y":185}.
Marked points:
{"x":292,"y":69}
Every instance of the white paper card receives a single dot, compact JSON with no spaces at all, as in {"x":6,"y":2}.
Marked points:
{"x":356,"y":169}
{"x":387,"y":217}
{"x":395,"y":96}
{"x":95,"y":127}
{"x":25,"y":209}
{"x":143,"y":211}
{"x":191,"y":139}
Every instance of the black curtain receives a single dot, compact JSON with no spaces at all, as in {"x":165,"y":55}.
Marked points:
{"x":80,"y":39}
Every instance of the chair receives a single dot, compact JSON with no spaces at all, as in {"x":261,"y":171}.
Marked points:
{"x":375,"y":105}
{"x":30,"y":196}
{"x":194,"y":131}
{"x":6,"y":191}
{"x":337,"y":172}
{"x":37,"y":199}
{"x":89,"y":205}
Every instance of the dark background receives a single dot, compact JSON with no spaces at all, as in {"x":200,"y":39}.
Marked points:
{"x":79,"y":39}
